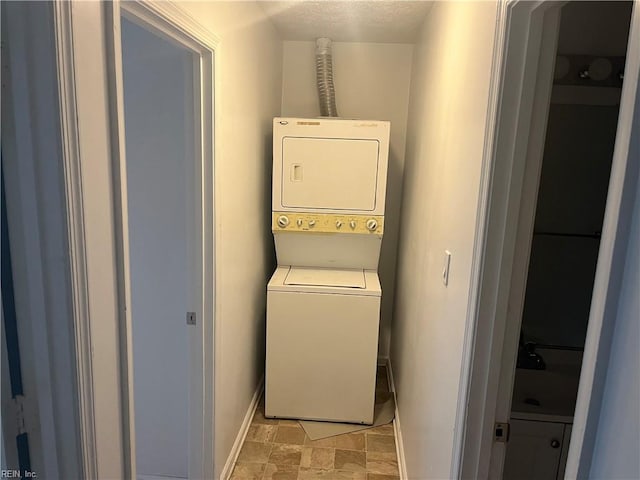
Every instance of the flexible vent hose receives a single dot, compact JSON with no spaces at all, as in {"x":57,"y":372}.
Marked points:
{"x":324,"y":77}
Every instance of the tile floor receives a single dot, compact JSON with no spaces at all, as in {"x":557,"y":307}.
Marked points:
{"x":281,"y":450}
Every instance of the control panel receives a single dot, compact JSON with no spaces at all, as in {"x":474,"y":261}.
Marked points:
{"x":327,"y":223}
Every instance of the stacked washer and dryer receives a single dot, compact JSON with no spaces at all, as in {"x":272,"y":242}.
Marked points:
{"x":323,"y":301}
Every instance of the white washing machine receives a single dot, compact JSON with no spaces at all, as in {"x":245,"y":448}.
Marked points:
{"x":323,"y":301}
{"x":322,"y":344}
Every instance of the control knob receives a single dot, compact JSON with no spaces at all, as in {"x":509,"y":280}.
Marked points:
{"x":338,"y":224}
{"x":283,"y":221}
{"x":312,"y":223}
{"x":372,"y":224}
{"x":299,"y":222}
{"x":352,"y":224}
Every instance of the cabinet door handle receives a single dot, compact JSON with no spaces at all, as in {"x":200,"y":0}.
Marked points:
{"x":555,"y":443}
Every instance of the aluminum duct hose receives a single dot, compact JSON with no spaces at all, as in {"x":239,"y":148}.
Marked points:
{"x":324,"y":78}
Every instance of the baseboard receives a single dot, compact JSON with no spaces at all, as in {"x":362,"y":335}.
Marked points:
{"x":402,"y":464}
{"x":242,"y":434}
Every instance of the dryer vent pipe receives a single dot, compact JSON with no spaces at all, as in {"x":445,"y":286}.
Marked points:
{"x":324,"y":78}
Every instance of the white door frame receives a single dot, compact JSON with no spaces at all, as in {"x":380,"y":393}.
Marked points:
{"x":525,"y":50}
{"x":171,"y":23}
{"x":88,"y":56}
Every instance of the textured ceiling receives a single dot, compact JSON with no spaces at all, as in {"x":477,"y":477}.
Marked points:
{"x":348,"y":21}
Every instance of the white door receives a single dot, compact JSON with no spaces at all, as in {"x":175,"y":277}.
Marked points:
{"x":159,"y":137}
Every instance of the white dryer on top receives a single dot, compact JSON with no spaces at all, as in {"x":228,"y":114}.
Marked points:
{"x":330,"y":165}
{"x":329,"y":188}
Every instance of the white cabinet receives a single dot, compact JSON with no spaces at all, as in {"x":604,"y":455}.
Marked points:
{"x":536,"y":450}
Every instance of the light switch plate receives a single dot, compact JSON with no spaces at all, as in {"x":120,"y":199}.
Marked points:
{"x":445,"y":268}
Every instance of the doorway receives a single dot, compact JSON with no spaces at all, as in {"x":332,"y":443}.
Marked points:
{"x":562,"y":250}
{"x":163,"y":248}
{"x":162,"y":83}
{"x":526,"y":91}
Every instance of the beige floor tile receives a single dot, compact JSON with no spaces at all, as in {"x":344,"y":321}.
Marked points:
{"x":280,"y":472}
{"x":305,"y":458}
{"x":317,"y":457}
{"x":383,"y":463}
{"x":261,"y":433}
{"x":248,"y":471}
{"x":382,"y":429}
{"x":329,"y":442}
{"x":380,"y":476}
{"x":350,"y":441}
{"x":285,"y":454}
{"x":254,"y":452}
{"x":350,"y":460}
{"x":279,"y":449}
{"x":380,"y":443}
{"x":317,"y":474}
{"x":290,"y":435}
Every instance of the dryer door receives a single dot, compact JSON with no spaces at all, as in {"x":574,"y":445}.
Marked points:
{"x":331,"y":173}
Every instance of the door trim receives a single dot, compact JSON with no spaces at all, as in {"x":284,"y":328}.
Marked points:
{"x":170,"y":22}
{"x":76,"y":236}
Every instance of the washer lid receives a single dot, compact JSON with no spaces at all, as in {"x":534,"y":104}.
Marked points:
{"x":371,"y":288}
{"x":325,"y":277}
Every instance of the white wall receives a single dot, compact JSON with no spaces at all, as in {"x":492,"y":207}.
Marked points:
{"x":445,"y":135}
{"x":618,"y":437}
{"x":249,"y":71}
{"x":372,"y":82}
{"x":157,"y":87}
